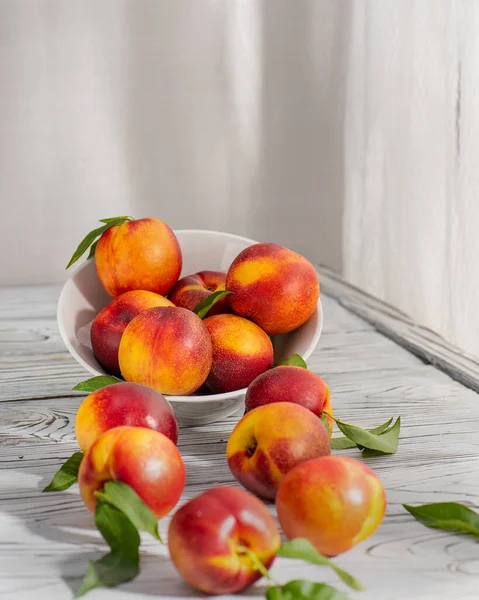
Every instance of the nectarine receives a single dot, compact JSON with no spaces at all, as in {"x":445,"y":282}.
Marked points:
{"x":335,"y":502}
{"x":168,"y":349}
{"x":138,"y":255}
{"x":192,"y":289}
{"x":241,"y":351}
{"x":210,"y":536}
{"x":123,"y":404}
{"x":291,"y":384}
{"x":110,"y":323}
{"x":144,"y":459}
{"x":273,"y":286}
{"x":271,"y":440}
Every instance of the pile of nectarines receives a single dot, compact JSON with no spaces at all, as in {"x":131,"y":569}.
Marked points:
{"x":150,"y":334}
{"x":225,"y":538}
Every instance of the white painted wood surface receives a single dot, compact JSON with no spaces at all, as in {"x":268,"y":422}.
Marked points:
{"x":47,"y":539}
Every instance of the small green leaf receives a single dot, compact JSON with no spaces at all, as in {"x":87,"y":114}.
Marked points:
{"x":305,"y":590}
{"x":386,"y":442}
{"x":446,"y":515}
{"x":66,"y":475}
{"x":95,"y":383}
{"x":295,"y":360}
{"x":115,"y":219}
{"x":91,"y":254}
{"x":122,"y":496}
{"x":88,"y":240}
{"x":304,"y":550}
{"x":203,"y":307}
{"x":342,"y":443}
{"x":122,"y":563}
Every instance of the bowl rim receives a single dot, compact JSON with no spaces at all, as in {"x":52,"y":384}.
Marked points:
{"x":189,"y":399}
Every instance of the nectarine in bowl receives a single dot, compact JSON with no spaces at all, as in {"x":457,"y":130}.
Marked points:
{"x":83,"y":297}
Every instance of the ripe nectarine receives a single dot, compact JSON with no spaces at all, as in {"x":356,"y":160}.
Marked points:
{"x":123,"y":404}
{"x":210,"y":536}
{"x":271,"y":440}
{"x":144,"y":459}
{"x":275,"y":287}
{"x":138,"y":255}
{"x":241,"y":351}
{"x":110,"y":323}
{"x":168,"y":349}
{"x":335,"y":502}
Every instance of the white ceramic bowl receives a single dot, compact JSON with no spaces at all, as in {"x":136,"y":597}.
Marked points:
{"x":82,"y":297}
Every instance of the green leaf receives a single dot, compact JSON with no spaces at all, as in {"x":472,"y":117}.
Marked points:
{"x":305,"y":590}
{"x":446,"y":515}
{"x":88,"y":240}
{"x":91,"y":254}
{"x":95,"y":383}
{"x":295,"y":360}
{"x":203,"y":307}
{"x":66,"y":475}
{"x":115,"y":219}
{"x":386,"y":442}
{"x":342,"y":443}
{"x":304,"y":550}
{"x":122,"y":563}
{"x":122,"y":496}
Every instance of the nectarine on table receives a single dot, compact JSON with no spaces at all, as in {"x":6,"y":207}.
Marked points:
{"x":145,"y":459}
{"x":291,"y":384}
{"x":209,"y":538}
{"x":168,"y":349}
{"x":138,"y":255}
{"x":241,"y":351}
{"x":271,"y":440}
{"x":110,"y":323}
{"x":335,"y":502}
{"x":120,"y":404}
{"x":193,"y":289}
{"x":273,"y":286}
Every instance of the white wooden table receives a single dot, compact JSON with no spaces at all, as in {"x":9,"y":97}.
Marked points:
{"x":47,"y":539}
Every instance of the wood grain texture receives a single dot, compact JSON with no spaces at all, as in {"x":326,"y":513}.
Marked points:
{"x":47,"y":539}
{"x":396,"y":325}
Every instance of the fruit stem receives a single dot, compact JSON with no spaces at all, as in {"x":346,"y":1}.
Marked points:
{"x":257,"y":564}
{"x":251,"y":447}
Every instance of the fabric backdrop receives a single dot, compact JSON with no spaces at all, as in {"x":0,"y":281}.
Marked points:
{"x":219,"y":114}
{"x":411,"y":218}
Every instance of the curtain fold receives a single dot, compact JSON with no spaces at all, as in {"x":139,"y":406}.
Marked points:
{"x":208,"y":114}
{"x":411,"y":164}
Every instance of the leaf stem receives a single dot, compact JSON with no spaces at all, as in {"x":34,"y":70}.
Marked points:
{"x":257,"y":564}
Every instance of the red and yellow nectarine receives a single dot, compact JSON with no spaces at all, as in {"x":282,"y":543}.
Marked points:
{"x":110,"y":323}
{"x":241,"y":351}
{"x":209,"y":536}
{"x":291,"y":384}
{"x":144,"y":459}
{"x":121,"y":404}
{"x":138,"y":255}
{"x":192,"y":289}
{"x":335,"y":502}
{"x":271,"y":440}
{"x":273,"y":286}
{"x":168,"y":349}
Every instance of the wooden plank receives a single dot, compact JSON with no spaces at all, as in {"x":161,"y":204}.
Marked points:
{"x":47,"y":539}
{"x":394,"y":324}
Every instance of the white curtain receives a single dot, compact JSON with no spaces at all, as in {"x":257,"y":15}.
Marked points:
{"x":411,"y":220}
{"x":218,"y":114}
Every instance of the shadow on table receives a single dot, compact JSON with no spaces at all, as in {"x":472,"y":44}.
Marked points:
{"x":157,"y":576}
